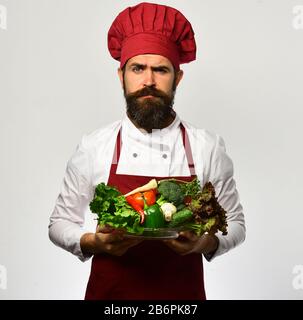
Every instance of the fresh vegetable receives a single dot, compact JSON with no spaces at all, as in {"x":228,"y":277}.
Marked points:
{"x":171,"y":191}
{"x":138,"y":197}
{"x":180,"y":218}
{"x":154,"y":217}
{"x":205,"y":206}
{"x":147,"y":197}
{"x":104,"y":199}
{"x":199,"y":229}
{"x":134,"y":203}
{"x":152,"y":184}
{"x":161,"y":200}
{"x":113,"y":210}
{"x":150,"y":197}
{"x":168,"y":210}
{"x":190,"y":189}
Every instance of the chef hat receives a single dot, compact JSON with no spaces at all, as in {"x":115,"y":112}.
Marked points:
{"x":150,"y":28}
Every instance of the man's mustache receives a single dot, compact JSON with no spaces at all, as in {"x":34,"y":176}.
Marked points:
{"x":148,"y":91}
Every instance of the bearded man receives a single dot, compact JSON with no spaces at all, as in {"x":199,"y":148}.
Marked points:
{"x":150,"y":41}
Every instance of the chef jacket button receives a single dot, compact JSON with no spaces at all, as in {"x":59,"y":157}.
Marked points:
{"x":135,"y":155}
{"x":164,"y":156}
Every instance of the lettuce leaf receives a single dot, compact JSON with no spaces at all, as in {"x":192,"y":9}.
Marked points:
{"x":113,"y":210}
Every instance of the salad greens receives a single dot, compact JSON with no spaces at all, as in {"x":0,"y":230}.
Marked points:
{"x":113,"y":210}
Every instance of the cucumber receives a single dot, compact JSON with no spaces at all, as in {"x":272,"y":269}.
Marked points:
{"x":180,"y":217}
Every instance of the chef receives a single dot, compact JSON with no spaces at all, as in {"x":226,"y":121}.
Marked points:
{"x":150,"y":41}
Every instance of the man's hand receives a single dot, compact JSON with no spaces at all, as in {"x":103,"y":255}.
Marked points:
{"x":189,"y":242}
{"x":109,"y":241}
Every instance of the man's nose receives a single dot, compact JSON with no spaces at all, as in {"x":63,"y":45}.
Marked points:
{"x":149,"y":79}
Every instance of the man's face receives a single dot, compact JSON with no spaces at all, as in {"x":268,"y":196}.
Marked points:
{"x":149,"y":82}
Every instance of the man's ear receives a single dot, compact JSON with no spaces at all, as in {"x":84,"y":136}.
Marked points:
{"x":120,"y":74}
{"x":179,"y":76}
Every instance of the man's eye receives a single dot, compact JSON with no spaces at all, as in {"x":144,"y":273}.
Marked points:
{"x":162,"y":71}
{"x":137,"y":69}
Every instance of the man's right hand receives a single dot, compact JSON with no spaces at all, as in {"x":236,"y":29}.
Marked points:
{"x":109,"y":241}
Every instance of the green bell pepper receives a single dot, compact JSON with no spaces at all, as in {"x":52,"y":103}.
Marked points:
{"x":154,"y":217}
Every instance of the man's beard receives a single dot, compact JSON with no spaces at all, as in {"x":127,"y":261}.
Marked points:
{"x":150,"y":113}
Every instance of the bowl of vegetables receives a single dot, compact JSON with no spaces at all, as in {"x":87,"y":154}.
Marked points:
{"x":160,"y":209}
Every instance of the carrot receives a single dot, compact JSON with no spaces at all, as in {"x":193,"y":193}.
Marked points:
{"x":152,"y":184}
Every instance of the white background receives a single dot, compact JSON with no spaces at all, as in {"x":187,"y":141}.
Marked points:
{"x":58,"y":82}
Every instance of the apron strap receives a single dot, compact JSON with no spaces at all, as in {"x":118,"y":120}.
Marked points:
{"x":186,"y":144}
{"x":188,"y":150}
{"x":117,"y":150}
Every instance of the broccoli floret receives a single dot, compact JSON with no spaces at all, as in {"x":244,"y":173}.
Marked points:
{"x":171,"y":191}
{"x":161,"y":200}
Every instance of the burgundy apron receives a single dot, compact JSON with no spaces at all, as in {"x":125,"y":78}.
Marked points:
{"x":149,"y":270}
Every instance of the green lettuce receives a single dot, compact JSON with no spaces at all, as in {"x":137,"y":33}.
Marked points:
{"x":113,"y":210}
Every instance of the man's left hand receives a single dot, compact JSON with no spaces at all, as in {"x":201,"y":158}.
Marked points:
{"x":189,"y":242}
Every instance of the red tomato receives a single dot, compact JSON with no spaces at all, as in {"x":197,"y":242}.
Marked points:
{"x":138,"y":197}
{"x":150,"y":197}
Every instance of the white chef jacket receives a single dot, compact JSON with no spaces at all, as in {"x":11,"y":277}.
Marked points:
{"x":160,"y":153}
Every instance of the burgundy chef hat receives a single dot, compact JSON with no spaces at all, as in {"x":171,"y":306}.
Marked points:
{"x":149,"y":28}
